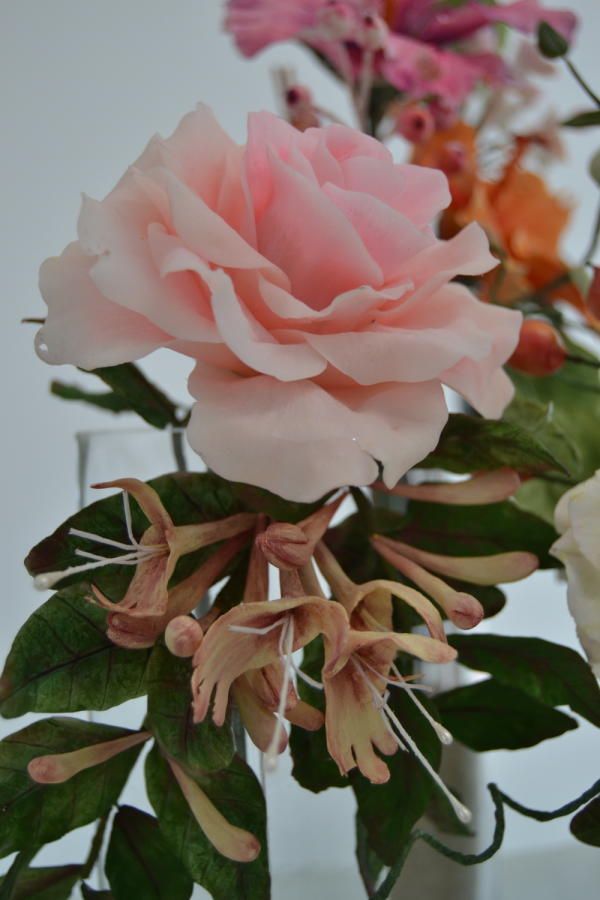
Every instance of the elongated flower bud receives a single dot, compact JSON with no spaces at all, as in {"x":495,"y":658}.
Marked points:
{"x":539,"y":351}
{"x":462,"y":609}
{"x":59,"y":767}
{"x":231,"y":842}
{"x":499,"y":568}
{"x":481,"y":489}
{"x":183,"y":636}
{"x":290,"y":546}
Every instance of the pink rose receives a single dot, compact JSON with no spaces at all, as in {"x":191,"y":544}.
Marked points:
{"x":302,"y":274}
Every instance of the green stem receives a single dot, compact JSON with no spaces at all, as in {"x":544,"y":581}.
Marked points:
{"x":582,"y":361}
{"x":587,"y":259}
{"x":500,"y":800}
{"x":178,"y":444}
{"x":582,"y":83}
{"x":10,"y":880}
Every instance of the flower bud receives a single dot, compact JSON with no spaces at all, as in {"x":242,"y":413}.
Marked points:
{"x":539,"y":351}
{"x":415,"y":123}
{"x":57,"y":768}
{"x":336,"y":21}
{"x":375,"y":33}
{"x":183,"y":636}
{"x":285,"y":545}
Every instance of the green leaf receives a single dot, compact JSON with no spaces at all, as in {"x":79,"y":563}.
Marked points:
{"x":469,"y":444}
{"x":35,"y":814}
{"x":389,"y":811}
{"x":62,"y":661}
{"x":583,"y":120}
{"x":89,"y":893}
{"x":198,"y":747}
{"x":538,"y":419}
{"x":256,"y":499}
{"x":550,"y":43}
{"x":140,"y":863}
{"x":238,"y":795}
{"x":50,"y":883}
{"x":491,"y":716}
{"x":585,"y":826}
{"x":550,"y":673}
{"x":188,"y":497}
{"x":131,"y":391}
{"x":313,"y":768}
{"x":107,"y":400}
{"x":369,"y":864}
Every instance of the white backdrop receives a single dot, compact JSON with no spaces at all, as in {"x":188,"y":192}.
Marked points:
{"x":83,"y":86}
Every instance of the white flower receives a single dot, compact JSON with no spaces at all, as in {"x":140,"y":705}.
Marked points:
{"x":577,"y":519}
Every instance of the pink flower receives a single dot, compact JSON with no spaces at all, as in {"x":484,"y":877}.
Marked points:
{"x":419,"y":55}
{"x":302,"y":275}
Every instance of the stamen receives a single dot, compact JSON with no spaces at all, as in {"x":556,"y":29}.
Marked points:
{"x":443,"y":734}
{"x":286,"y":646}
{"x":99,"y":539}
{"x":247,"y":629}
{"x":47,"y":580}
{"x":127,"y":514}
{"x":318,"y":685}
{"x":402,"y":736}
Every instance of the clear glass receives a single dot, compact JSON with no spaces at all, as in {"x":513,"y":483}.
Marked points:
{"x":311,"y":836}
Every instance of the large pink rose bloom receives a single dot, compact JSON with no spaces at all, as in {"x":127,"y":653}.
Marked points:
{"x":302,"y":274}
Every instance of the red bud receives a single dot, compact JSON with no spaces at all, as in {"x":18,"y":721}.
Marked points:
{"x":539,"y":351}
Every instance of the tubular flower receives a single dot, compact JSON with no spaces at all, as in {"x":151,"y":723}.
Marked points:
{"x":359,"y":718}
{"x":499,"y":568}
{"x":59,"y":767}
{"x":288,"y":546}
{"x":261,"y":636}
{"x":230,"y":841}
{"x":154,"y":556}
{"x":482,"y":488}
{"x":137,"y":631}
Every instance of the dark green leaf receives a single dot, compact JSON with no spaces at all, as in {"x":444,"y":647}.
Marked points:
{"x":550,"y":43}
{"x":140,"y":863}
{"x":51,"y":883}
{"x":550,"y":673}
{"x":188,"y":497}
{"x":35,"y":814}
{"x":389,"y":811}
{"x":197,"y":747}
{"x":89,"y":893}
{"x":585,"y":826}
{"x":107,"y":400}
{"x":256,"y":499}
{"x":583,"y":120}
{"x":491,"y":716}
{"x":538,"y":420}
{"x":469,"y":444}
{"x":238,"y":795}
{"x":62,"y":661}
{"x":130,"y":386}
{"x":369,"y":864}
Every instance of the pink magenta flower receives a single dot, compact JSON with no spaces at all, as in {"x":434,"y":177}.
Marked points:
{"x":302,"y":274}
{"x":424,"y":52}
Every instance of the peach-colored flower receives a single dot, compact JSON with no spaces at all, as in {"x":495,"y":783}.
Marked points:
{"x":302,"y":273}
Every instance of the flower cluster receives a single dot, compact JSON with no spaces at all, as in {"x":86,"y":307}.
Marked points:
{"x":246,"y":654}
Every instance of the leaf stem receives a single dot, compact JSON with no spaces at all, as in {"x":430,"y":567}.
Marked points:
{"x":95,"y":848}
{"x":582,"y":83}
{"x":10,"y":880}
{"x":500,"y":800}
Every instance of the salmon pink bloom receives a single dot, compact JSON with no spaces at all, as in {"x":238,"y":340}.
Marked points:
{"x":154,"y":556}
{"x":303,"y":275}
{"x":56,"y":768}
{"x":261,"y":638}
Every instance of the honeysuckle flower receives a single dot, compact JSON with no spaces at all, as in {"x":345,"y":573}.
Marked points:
{"x":303,"y":275}
{"x":154,"y":556}
{"x":482,"y":488}
{"x":289,"y":546}
{"x":138,"y":631}
{"x":230,"y":841}
{"x":498,"y":568}
{"x":56,"y":768}
{"x":577,"y":519}
{"x":370,"y":606}
{"x":358,"y":717}
{"x":256,"y":636}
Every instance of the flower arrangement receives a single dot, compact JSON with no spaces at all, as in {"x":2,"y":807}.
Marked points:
{"x":342,"y":526}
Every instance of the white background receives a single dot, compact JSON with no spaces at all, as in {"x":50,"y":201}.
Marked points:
{"x":83,"y":86}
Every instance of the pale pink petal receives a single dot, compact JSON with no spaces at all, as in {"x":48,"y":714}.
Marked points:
{"x":82,"y":326}
{"x":303,"y":233}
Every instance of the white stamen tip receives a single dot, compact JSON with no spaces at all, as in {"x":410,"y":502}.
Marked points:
{"x":462,"y":812}
{"x":444,"y":735}
{"x":270,"y":762}
{"x":47,"y":580}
